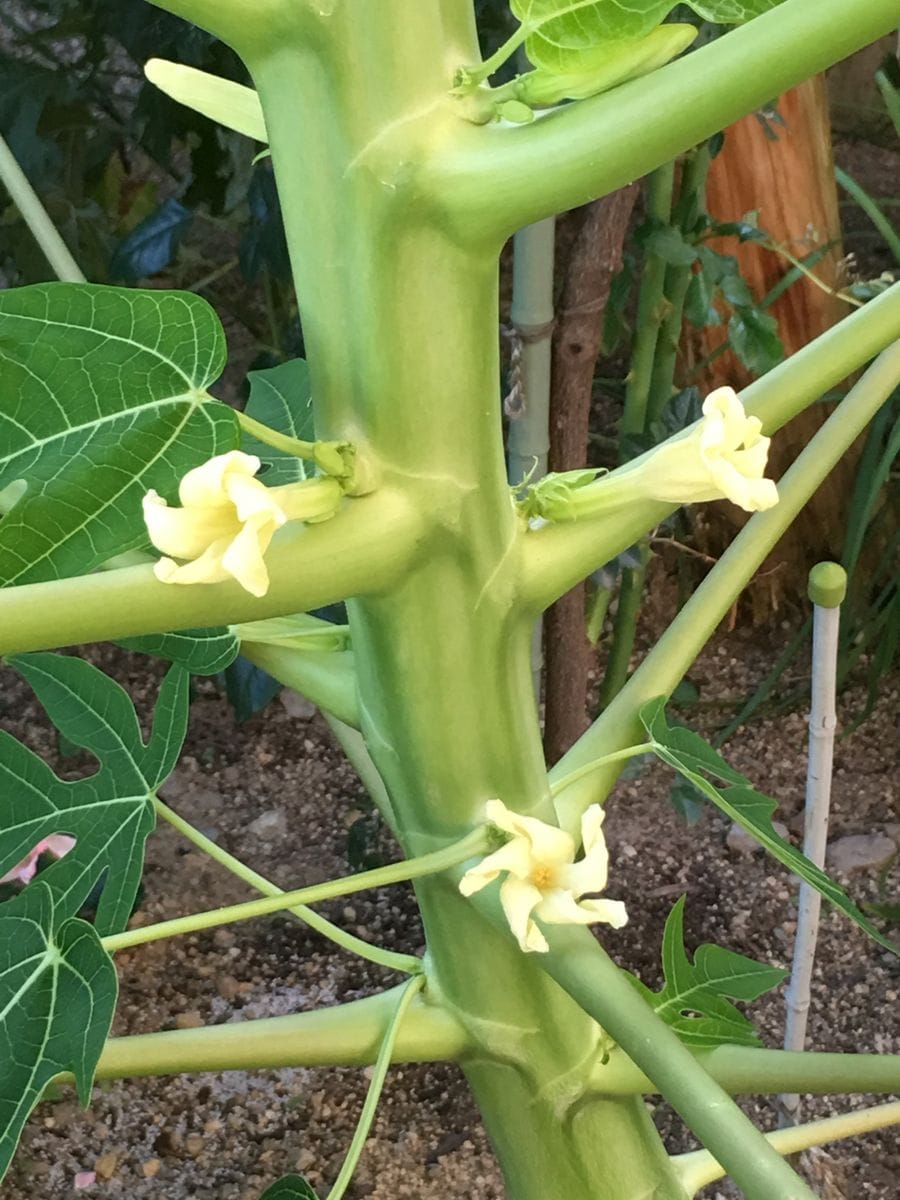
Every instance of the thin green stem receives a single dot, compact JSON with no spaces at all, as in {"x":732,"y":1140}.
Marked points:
{"x":583,"y":969}
{"x":745,"y":1070}
{"x":474,"y":843}
{"x":673,"y":654}
{"x":678,"y":277}
{"x":631,"y":590}
{"x":891,"y":98}
{"x":871,"y":209}
{"x":486,"y":69}
{"x":700,"y":1168}
{"x":651,"y":306}
{"x":599,"y":607}
{"x":36,"y":218}
{"x":560,"y":785}
{"x":409,"y":964}
{"x":279,"y":441}
{"x":379,"y":1074}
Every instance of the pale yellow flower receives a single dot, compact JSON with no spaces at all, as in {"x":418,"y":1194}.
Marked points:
{"x":724,"y":456}
{"x":542,"y":878}
{"x":227,"y":520}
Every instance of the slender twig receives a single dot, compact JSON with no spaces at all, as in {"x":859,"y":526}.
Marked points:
{"x":379,"y":1073}
{"x":37,"y":219}
{"x":408,"y":963}
{"x":414,"y":868}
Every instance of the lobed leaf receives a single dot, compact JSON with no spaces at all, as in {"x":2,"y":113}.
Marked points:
{"x":110,"y":813}
{"x":57,"y":999}
{"x":199,"y":651}
{"x":696,"y":997}
{"x":102,"y":397}
{"x":292,"y":1187}
{"x":695,"y":759}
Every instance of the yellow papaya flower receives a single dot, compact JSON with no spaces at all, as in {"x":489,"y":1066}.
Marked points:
{"x":542,"y":878}
{"x":227,"y":519}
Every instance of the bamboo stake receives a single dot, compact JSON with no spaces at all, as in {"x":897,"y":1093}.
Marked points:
{"x":827,"y":588}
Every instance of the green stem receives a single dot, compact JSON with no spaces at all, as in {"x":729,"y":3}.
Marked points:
{"x":700,"y":1168}
{"x":672,"y":655}
{"x":505,"y":52}
{"x":379,"y":1073}
{"x":476,"y":842}
{"x":587,"y":973}
{"x":344,"y":1035}
{"x":871,"y":209}
{"x":326,"y":677}
{"x":557,"y":556}
{"x":560,"y":785}
{"x":651,"y":309}
{"x":279,"y":441}
{"x":36,"y":218}
{"x":743,"y":1070}
{"x":407,"y":963}
{"x":631,"y":589}
{"x":495,"y":180}
{"x":599,"y":607}
{"x":677,"y":281}
{"x":368,"y":544}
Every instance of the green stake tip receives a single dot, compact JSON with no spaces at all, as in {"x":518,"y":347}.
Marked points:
{"x":827,"y":584}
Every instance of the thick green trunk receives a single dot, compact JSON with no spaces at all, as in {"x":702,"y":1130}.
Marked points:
{"x":400,"y":324}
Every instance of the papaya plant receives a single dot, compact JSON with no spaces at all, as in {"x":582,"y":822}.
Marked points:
{"x":140,"y":509}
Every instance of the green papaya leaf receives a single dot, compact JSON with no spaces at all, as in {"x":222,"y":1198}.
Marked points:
{"x":695,"y":759}
{"x":57,"y":999}
{"x":292,"y":1187}
{"x":199,"y":651}
{"x":102,"y":397}
{"x":281,"y":398}
{"x":110,"y":813}
{"x":753,"y":336}
{"x":696,"y":997}
{"x":558,"y":32}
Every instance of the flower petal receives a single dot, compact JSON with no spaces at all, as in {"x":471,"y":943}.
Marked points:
{"x":550,"y":845}
{"x":204,"y":486}
{"x":559,"y":907}
{"x":519,"y":899}
{"x":207,"y":568}
{"x":243,"y":559}
{"x":514,"y":857}
{"x":184,"y":532}
{"x":252,"y":499}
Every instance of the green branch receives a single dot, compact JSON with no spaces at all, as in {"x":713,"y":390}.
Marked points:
{"x":673,"y":654}
{"x":557,"y":556}
{"x":744,"y":1070}
{"x":326,"y":677}
{"x":475,"y":843}
{"x":494,"y":180}
{"x":408,"y":963}
{"x":346,"y":1035}
{"x":365,"y":547}
{"x":36,"y":218}
{"x":700,"y":1168}
{"x":583,"y":969}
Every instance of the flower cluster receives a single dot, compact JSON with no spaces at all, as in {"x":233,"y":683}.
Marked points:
{"x":227,"y":520}
{"x":543,"y":879}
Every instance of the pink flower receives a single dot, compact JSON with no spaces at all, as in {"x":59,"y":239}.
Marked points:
{"x":58,"y":844}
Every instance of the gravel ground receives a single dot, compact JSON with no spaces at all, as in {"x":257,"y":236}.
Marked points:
{"x":226,"y":1136}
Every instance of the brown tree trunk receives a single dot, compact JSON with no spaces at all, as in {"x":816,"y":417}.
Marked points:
{"x":594,"y":259}
{"x":790,"y":181}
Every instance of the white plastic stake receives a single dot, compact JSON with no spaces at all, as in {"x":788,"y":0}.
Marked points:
{"x":827,"y":588}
